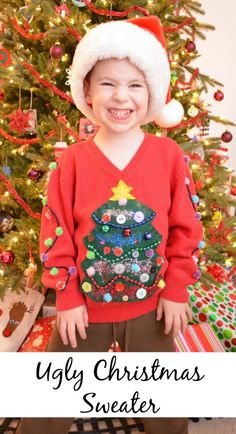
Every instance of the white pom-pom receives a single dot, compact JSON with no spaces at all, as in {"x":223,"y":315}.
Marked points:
{"x":171,"y":114}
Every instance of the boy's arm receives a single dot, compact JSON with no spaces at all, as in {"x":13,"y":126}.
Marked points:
{"x":57,"y":249}
{"x":185,"y":234}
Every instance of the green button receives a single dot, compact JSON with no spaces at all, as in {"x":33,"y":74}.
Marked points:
{"x":90,"y":254}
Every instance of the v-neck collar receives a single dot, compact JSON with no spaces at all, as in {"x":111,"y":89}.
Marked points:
{"x":108,"y":165}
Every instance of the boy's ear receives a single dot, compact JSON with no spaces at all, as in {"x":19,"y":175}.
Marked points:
{"x":87,"y":96}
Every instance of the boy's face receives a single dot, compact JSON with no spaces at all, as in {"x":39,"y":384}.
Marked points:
{"x":118,"y":93}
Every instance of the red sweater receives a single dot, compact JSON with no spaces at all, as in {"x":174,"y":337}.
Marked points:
{"x":115,"y":239}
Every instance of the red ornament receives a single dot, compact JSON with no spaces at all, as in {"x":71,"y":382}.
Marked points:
{"x":7,"y":257}
{"x":233,"y":191}
{"x":5,"y":57}
{"x":127,"y":232}
{"x":226,"y":136}
{"x":56,"y":51}
{"x":19,"y":120}
{"x":218,"y":95}
{"x":35,"y":174}
{"x":1,"y":94}
{"x":190,"y":46}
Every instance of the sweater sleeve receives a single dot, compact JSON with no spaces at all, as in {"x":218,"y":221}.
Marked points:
{"x":57,"y":249}
{"x":185,"y":237}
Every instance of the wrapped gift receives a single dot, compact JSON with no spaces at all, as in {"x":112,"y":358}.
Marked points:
{"x":38,"y":337}
{"x":198,"y":338}
{"x":217,"y":306}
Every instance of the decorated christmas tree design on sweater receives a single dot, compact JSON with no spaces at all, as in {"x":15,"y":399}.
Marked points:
{"x":122,"y":263}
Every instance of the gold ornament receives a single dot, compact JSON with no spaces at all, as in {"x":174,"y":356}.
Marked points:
{"x":193,"y":111}
{"x":217,"y":218}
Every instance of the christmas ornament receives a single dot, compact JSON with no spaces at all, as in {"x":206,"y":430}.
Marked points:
{"x":226,"y":136}
{"x":56,"y":51}
{"x":6,"y":221}
{"x":190,"y":46}
{"x":218,"y":95}
{"x":7,"y":257}
{"x":62,"y":10}
{"x":1,"y":94}
{"x":5,"y":57}
{"x":193,"y":111}
{"x":35,"y":174}
{"x":19,"y":120}
{"x":217,"y":217}
{"x":78,"y":3}
{"x":59,"y":148}
{"x":32,"y":121}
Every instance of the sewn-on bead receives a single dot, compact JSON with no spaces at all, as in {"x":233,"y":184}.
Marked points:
{"x":60,"y":285}
{"x":197,"y":274}
{"x":48,"y":242}
{"x":147,"y":235}
{"x":186,"y":158}
{"x":72,"y":270}
{"x":59,"y":231}
{"x":86,"y":286}
{"x":195,"y":199}
{"x":187,"y":180}
{"x":44,"y":200}
{"x":54,"y":271}
{"x":107,"y":297}
{"x":90,"y":254}
{"x":44,"y":257}
{"x":198,"y":216}
{"x":53,"y":165}
{"x":201,"y":245}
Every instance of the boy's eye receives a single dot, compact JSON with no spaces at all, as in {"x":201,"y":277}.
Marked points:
{"x":106,"y":83}
{"x":135,"y":85}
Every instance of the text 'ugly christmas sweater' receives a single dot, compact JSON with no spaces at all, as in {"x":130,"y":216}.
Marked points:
{"x":116,"y":239}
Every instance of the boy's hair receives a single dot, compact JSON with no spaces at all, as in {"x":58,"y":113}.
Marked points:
{"x":142,"y":41}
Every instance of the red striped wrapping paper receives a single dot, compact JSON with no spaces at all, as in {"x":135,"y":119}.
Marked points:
{"x":198,"y":338}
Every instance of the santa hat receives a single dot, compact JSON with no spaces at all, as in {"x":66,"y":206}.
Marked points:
{"x":142,"y":41}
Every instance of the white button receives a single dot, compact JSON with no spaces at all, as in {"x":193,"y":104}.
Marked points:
{"x":144,"y":277}
{"x":121,"y":219}
{"x":141,"y":293}
{"x":119,"y":268}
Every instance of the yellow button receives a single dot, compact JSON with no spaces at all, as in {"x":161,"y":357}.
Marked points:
{"x":161,"y":284}
{"x":86,"y":287}
{"x":125,"y":298}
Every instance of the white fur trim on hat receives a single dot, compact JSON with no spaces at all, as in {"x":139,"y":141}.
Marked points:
{"x":123,"y":39}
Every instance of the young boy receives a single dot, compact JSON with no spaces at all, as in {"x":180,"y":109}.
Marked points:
{"x":120,"y":233}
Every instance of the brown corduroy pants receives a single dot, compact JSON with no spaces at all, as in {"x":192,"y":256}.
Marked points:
{"x":142,"y":334}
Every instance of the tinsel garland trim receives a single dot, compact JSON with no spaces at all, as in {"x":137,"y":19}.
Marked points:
{"x":17,"y":140}
{"x":19,"y":200}
{"x":46,"y":83}
{"x":111,"y":13}
{"x":62,"y":119}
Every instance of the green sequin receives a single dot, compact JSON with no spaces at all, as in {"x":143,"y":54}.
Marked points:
{"x":53,"y":165}
{"x":54,"y":271}
{"x":48,"y":242}
{"x":59,"y":230}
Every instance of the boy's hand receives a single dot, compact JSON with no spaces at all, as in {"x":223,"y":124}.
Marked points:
{"x":69,"y":320}
{"x":177,"y":315}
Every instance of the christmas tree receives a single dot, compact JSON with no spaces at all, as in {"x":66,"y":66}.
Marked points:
{"x":121,"y":252}
{"x":39,"y":119}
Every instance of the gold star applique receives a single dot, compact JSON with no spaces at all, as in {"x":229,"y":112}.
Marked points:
{"x":122,"y":191}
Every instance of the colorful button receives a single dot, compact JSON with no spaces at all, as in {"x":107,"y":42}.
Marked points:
{"x":135,"y":254}
{"x":106,"y":250}
{"x":53,"y":165}
{"x":138,"y":216}
{"x":201,"y":245}
{"x":198,"y":216}
{"x":44,"y":257}
{"x":118,"y":251}
{"x":90,"y":254}
{"x":119,"y":287}
{"x":48,"y":242}
{"x":125,"y":298}
{"x":197,"y":274}
{"x":107,"y":297}
{"x":106,"y":218}
{"x":141,"y":293}
{"x":59,"y":231}
{"x":87,"y":287}
{"x":119,"y":268}
{"x":144,"y":277}
{"x":195,"y":199}
{"x":147,"y":235}
{"x":91,"y":271}
{"x":121,"y":219}
{"x":122,"y":201}
{"x":135,"y":268}
{"x":60,"y":285}
{"x":105,"y":229}
{"x":149,"y":253}
{"x":72,"y":270}
{"x":54,"y":271}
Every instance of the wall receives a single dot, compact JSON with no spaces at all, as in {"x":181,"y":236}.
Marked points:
{"x":218,"y":60}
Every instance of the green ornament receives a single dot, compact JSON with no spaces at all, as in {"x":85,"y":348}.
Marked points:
{"x":174,"y":77}
{"x":48,"y":242}
{"x":54,"y":271}
{"x":59,"y":230}
{"x":44,"y":201}
{"x":90,"y":254}
{"x":53,"y":165}
{"x":105,"y":229}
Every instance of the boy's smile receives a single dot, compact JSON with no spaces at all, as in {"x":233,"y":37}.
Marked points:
{"x":119,"y":96}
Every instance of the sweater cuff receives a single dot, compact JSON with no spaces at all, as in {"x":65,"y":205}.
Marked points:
{"x":175,"y":291}
{"x":70,"y":298}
